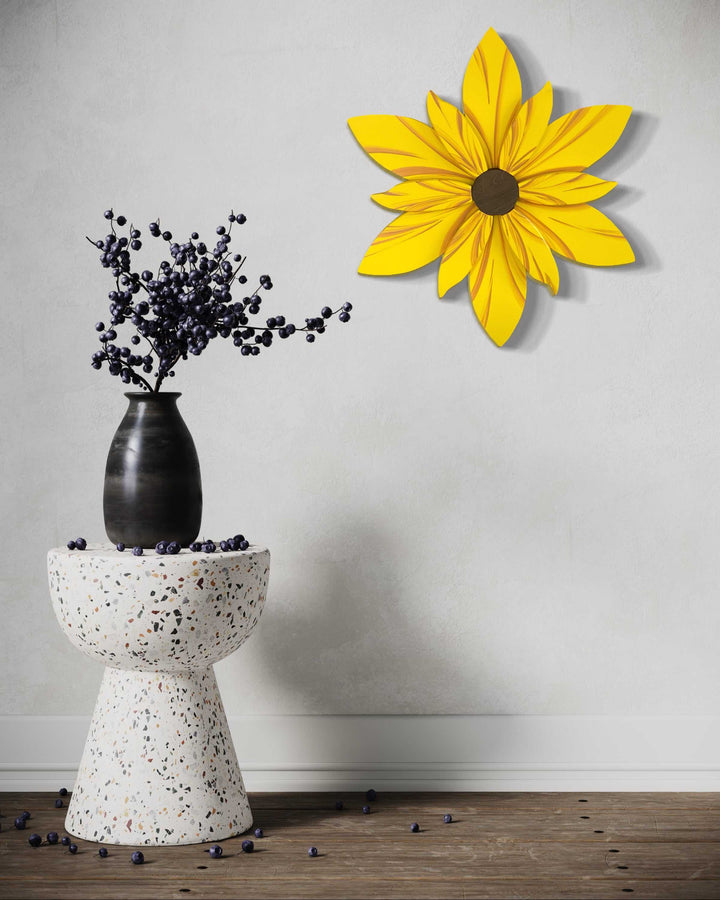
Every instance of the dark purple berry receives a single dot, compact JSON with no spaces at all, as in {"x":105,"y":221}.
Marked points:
{"x":65,"y":840}
{"x":209,"y":547}
{"x":216,"y":851}
{"x":366,"y":810}
{"x":161,"y":547}
{"x":243,"y":545}
{"x":347,"y":307}
{"x":239,"y":538}
{"x":99,"y":326}
{"x":63,"y":792}
{"x":25,"y":815}
{"x":313,"y":851}
{"x":259,"y":833}
{"x":414,"y":827}
{"x":138,"y":858}
{"x":72,"y":848}
{"x":120,"y":547}
{"x":224,"y":546}
{"x":81,"y":543}
{"x":241,"y":219}
{"x":121,"y":220}
{"x":309,"y":338}
{"x":52,"y":837}
{"x":103,"y":852}
{"x":371,"y":794}
{"x":137,"y":551}
{"x":173,"y":548}
{"x":344,"y":316}
{"x":108,"y":214}
{"x":34,"y":840}
{"x":71,"y":545}
{"x":59,"y":804}
{"x":20,"y":823}
{"x":247,"y":846}
{"x":447,"y":818}
{"x":196,"y":547}
{"x":326,"y":312}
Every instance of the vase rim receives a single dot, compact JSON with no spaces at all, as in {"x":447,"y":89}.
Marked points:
{"x":152,"y":395}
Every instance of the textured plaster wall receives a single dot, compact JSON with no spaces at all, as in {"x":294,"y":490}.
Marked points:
{"x":455,"y":528}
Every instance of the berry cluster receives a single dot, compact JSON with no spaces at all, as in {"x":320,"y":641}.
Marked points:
{"x":215,"y":851}
{"x":185,"y":305}
{"x":170,"y":548}
{"x":78,"y":544}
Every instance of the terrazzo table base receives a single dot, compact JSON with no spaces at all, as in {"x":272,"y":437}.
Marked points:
{"x":159,"y":766}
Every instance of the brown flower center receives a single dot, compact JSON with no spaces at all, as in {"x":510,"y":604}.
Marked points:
{"x":495,"y":192}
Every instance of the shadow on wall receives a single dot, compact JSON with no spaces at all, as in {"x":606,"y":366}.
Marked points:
{"x":339,"y":641}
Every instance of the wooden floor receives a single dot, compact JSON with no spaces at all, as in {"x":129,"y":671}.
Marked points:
{"x":549,"y":845}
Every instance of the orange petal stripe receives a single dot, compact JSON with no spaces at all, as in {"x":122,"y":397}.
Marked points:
{"x":498,"y":283}
{"x":577,"y":140}
{"x":492,"y":92}
{"x":406,"y":147}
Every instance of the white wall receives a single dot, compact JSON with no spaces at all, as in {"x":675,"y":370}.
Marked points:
{"x":455,"y":528}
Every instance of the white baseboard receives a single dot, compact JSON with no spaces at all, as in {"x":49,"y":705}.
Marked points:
{"x":451,"y":753}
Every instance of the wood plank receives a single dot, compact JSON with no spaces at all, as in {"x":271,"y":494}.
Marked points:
{"x":536,"y":846}
{"x":363,"y":889}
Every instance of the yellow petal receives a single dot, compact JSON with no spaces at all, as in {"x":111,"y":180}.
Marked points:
{"x":492,"y":91}
{"x":497,"y":286}
{"x":463,"y":249}
{"x":459,"y":135}
{"x":526,"y":130}
{"x":530,"y":249}
{"x":431,"y":195}
{"x":406,"y":147}
{"x":577,"y":140}
{"x":409,"y":242}
{"x":564,"y":188}
{"x":581,"y":233}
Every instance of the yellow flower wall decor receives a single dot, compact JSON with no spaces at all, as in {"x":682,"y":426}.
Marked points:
{"x":494,"y":190}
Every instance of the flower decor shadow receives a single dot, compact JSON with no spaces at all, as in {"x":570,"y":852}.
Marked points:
{"x":494,"y":190}
{"x":185,"y":305}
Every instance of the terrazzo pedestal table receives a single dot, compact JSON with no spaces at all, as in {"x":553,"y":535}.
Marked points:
{"x":159,"y":766}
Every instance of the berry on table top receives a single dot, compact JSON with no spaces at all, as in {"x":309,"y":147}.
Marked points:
{"x":414,"y":827}
{"x":366,"y":810}
{"x":247,"y":846}
{"x":63,"y":791}
{"x":447,"y":818}
{"x":59,"y":804}
{"x":258,"y":832}
{"x":80,"y":543}
{"x":20,"y":823}
{"x":137,"y":858}
{"x":371,"y":794}
{"x":73,"y":848}
{"x":137,"y":551}
{"x":103,"y":852}
{"x":313,"y":851}
{"x":52,"y":837}
{"x":216,"y":851}
{"x":34,"y":840}
{"x":65,"y":840}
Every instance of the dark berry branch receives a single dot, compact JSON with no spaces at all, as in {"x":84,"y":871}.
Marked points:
{"x":188,"y":303}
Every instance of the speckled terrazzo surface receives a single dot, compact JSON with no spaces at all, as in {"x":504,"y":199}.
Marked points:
{"x":159,"y":766}
{"x":157,"y":612}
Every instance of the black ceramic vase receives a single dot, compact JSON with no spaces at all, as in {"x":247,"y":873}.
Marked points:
{"x":152,"y":478}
